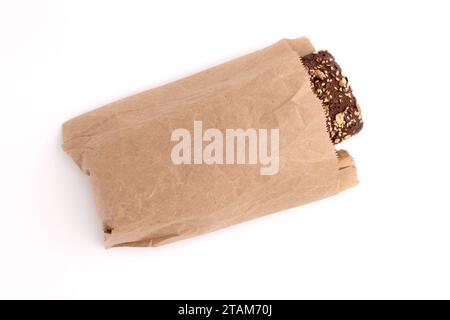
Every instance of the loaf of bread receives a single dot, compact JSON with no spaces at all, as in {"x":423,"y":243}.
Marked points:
{"x":343,"y":115}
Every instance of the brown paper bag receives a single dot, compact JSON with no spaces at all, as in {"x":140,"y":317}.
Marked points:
{"x":145,"y":199}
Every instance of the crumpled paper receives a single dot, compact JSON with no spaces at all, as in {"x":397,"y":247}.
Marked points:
{"x":144,"y":199}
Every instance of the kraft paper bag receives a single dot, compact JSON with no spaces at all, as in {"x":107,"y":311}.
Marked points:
{"x":145,"y":199}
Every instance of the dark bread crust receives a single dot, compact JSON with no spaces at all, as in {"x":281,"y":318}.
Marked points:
{"x":343,"y":116}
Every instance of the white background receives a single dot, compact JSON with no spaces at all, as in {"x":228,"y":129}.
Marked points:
{"x":389,"y":237}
